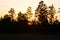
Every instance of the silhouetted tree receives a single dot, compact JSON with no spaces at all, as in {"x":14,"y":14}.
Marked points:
{"x":12,"y":12}
{"x":6,"y":16}
{"x":56,"y":20}
{"x":29,"y":13}
{"x":51,"y":13}
{"x":37,"y":14}
{"x":19,"y":16}
{"x":42,"y":9}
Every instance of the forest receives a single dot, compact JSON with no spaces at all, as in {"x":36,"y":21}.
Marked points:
{"x":42,"y":21}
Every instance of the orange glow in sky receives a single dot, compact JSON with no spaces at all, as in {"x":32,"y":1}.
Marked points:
{"x":22,"y":5}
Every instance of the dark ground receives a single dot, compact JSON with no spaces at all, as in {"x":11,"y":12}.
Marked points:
{"x":21,"y":30}
{"x":7,"y":26}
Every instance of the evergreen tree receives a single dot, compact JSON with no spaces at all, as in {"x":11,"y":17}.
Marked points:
{"x":12,"y":12}
{"x":29,"y":13}
{"x":20,"y":16}
{"x":37,"y":14}
{"x":51,"y":13}
{"x":6,"y":16}
{"x":42,"y":9}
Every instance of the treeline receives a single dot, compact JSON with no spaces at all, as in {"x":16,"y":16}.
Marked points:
{"x":42,"y":20}
{"x":42,"y":14}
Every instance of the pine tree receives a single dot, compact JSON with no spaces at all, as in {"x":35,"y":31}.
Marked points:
{"x":6,"y":16}
{"x":51,"y":13}
{"x":29,"y":13}
{"x":20,"y":16}
{"x":37,"y":14}
{"x":42,"y":9}
{"x":12,"y":12}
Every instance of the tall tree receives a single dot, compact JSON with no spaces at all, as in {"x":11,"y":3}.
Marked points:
{"x":42,"y":9}
{"x":36,"y":15}
{"x":12,"y":12}
{"x":52,"y":13}
{"x":20,"y":16}
{"x":29,"y":15}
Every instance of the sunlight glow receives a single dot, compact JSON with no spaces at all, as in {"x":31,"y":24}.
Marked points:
{"x":22,"y":5}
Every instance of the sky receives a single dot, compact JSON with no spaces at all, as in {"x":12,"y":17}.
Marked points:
{"x":22,"y":5}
